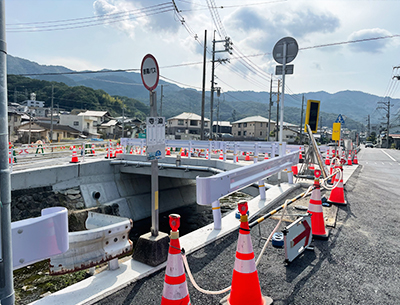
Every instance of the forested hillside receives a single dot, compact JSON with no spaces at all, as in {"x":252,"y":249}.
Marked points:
{"x":78,"y":97}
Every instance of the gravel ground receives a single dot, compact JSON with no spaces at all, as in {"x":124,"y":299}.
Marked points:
{"x":359,"y":264}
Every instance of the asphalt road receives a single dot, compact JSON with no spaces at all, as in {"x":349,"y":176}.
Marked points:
{"x":359,"y":264}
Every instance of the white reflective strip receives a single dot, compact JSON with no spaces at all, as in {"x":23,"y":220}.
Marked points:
{"x":244,"y":244}
{"x":316,"y":208}
{"x":174,"y":265}
{"x":316,"y":194}
{"x":175,"y":292}
{"x":245,"y":266}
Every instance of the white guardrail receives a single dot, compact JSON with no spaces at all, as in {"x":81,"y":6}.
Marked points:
{"x":210,"y":189}
{"x":256,"y":148}
{"x":106,"y":239}
{"x":36,"y":239}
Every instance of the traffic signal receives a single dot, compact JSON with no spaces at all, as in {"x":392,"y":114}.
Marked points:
{"x":312,"y":115}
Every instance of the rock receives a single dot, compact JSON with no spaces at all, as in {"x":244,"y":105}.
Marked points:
{"x":72,"y":192}
{"x":73,"y":197}
{"x":79,"y":205}
{"x":45,"y":294}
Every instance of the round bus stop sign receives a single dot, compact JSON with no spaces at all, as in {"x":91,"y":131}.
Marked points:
{"x":150,"y":72}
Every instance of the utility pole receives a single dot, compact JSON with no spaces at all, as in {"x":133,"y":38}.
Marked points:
{"x":301,"y":120}
{"x":51,"y":115}
{"x":203,"y":92}
{"x":227,"y":44}
{"x":162,"y":95}
{"x":123,"y":119}
{"x":7,"y":295}
{"x":269,"y":109}
{"x":386,"y":107}
{"x":277,"y":113}
{"x":368,"y":126}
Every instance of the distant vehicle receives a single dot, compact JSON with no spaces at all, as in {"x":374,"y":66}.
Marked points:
{"x":369,"y":144}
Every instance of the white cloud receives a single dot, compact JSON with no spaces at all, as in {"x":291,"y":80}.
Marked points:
{"x":261,"y":30}
{"x":72,"y":63}
{"x":373,"y":46}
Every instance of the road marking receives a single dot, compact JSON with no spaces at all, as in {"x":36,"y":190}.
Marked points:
{"x":393,"y":159}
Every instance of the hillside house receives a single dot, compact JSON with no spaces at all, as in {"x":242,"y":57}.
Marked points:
{"x":186,"y":125}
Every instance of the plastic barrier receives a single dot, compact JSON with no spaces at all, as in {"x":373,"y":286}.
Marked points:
{"x":36,"y":239}
{"x":105,"y":240}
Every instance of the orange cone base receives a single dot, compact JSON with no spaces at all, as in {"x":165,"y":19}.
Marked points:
{"x":266,"y":300}
{"x":74,"y":161}
{"x":246,"y":290}
{"x":322,"y":236}
{"x":337,"y":203}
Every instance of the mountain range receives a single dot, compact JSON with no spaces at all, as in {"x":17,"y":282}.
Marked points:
{"x":354,"y":106}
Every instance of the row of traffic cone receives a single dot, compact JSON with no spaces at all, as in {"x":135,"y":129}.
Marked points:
{"x":245,"y":287}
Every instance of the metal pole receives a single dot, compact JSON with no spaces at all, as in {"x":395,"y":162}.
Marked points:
{"x":7,"y":296}
{"x":154,"y":175}
{"x":301,"y":121}
{"x":51,"y":115}
{"x":277,"y":113}
{"x":203,"y":93}
{"x":212,"y":89}
{"x":282,"y":106}
{"x":388,"y":122}
{"x":162,"y":95}
{"x":269,"y":111}
{"x":123,"y":117}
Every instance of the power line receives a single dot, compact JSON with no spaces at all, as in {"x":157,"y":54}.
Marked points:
{"x":106,"y":19}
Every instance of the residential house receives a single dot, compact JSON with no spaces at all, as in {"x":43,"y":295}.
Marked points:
{"x":86,"y":122}
{"x":256,"y":128}
{"x":187,"y":125}
{"x":109,"y":129}
{"x":222,"y":127}
{"x":14,"y":121}
{"x":41,"y":131}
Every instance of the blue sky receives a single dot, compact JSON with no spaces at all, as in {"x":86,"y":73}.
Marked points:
{"x":254,"y":26}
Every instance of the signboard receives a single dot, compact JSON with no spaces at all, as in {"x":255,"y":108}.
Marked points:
{"x":312,"y":115}
{"x":339,"y":119}
{"x":155,"y":138}
{"x":297,"y":237}
{"x":288,"y":69}
{"x":150,"y":72}
{"x":336,"y":131}
{"x":142,"y":136}
{"x":292,"y":49}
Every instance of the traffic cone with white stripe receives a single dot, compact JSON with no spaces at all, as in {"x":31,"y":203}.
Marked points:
{"x":355,"y":160}
{"x":245,"y":287}
{"x":300,"y":156}
{"x":74,"y":158}
{"x":93,"y":150}
{"x":247,"y":158}
{"x":337,"y":193}
{"x":221,"y":155}
{"x":168,"y":151}
{"x":349,"y":162}
{"x":175,"y":290}
{"x":266,"y":156}
{"x":327,"y":161}
{"x":315,"y":209}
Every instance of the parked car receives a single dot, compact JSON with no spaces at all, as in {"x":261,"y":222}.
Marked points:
{"x":369,"y":144}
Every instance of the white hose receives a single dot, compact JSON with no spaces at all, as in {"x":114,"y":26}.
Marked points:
{"x":190,"y":275}
{"x":195,"y":284}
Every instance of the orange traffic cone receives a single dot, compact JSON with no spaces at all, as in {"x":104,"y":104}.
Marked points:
{"x":247,"y":157}
{"x":349,"y":162}
{"x":207,"y":154}
{"x":315,"y":209}
{"x":168,"y":151}
{"x":221,"y":155}
{"x":311,"y":166}
{"x":266,"y":156}
{"x":337,"y":194}
{"x":175,"y":290}
{"x":93,"y":150}
{"x":182,"y":153}
{"x":74,"y":156}
{"x":355,"y":161}
{"x":327,"y":161}
{"x":245,"y":287}
{"x":300,"y":157}
{"x":295,"y":170}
